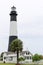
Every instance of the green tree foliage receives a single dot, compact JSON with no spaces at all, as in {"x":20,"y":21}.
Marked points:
{"x":17,"y":46}
{"x":41,"y":57}
{"x":37,"y":57}
{"x":21,"y":59}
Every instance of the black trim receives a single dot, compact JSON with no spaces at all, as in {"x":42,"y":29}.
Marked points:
{"x":11,"y":38}
{"x":13,"y":15}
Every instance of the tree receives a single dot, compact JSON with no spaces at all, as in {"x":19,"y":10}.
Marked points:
{"x":36,"y":57}
{"x":17,"y":46}
{"x":21,"y":59}
{"x":41,"y":57}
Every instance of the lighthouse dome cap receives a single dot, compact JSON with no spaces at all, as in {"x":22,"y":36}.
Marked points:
{"x":13,"y":8}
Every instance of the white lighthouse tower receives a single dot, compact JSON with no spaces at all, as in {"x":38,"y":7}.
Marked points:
{"x":13,"y":26}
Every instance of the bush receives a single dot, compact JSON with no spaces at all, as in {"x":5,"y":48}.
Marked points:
{"x":21,"y":59}
{"x":36,"y":57}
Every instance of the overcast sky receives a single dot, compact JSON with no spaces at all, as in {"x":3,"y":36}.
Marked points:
{"x":29,"y":22}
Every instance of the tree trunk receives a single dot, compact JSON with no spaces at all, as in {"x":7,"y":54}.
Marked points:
{"x":17,"y":57}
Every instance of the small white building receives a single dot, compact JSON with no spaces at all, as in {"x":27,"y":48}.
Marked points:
{"x":11,"y":57}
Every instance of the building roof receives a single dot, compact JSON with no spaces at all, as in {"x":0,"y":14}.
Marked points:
{"x":23,"y":52}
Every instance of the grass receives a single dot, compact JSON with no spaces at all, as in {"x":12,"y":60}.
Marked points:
{"x":14,"y":64}
{"x":7,"y":64}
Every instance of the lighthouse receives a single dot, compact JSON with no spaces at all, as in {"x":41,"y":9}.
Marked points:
{"x":13,"y":26}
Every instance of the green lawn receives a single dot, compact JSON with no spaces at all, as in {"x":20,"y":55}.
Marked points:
{"x":7,"y":64}
{"x":14,"y":64}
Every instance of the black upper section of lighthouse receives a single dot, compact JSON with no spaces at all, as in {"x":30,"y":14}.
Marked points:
{"x":13,"y":14}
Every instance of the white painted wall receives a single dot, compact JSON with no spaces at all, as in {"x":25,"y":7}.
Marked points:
{"x":13,"y":28}
{"x":14,"y":58}
{"x":8,"y":59}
